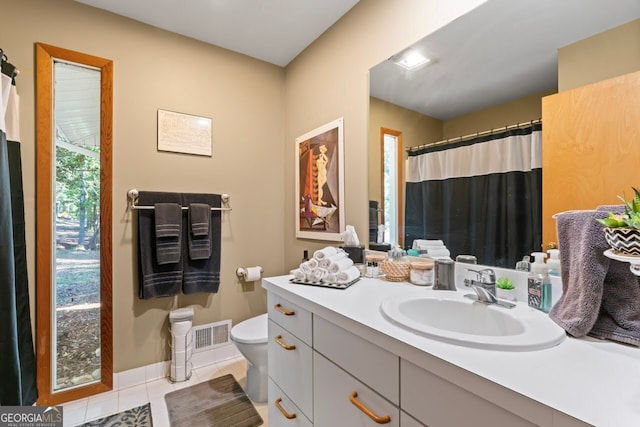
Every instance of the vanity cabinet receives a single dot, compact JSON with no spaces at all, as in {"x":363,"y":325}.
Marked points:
{"x":289,"y":364}
{"x":335,"y":377}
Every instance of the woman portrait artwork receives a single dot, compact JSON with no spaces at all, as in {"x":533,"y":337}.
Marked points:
{"x":319,"y":183}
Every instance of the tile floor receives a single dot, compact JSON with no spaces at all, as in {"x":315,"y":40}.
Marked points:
{"x":98,"y":406}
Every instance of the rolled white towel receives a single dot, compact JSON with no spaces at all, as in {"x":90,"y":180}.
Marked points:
{"x":318,"y":274}
{"x":326,"y":262}
{"x":308,"y":266}
{"x":325,"y":253}
{"x":331,"y":278}
{"x":440,"y":252}
{"x":299,"y":274}
{"x":348,"y":275}
{"x":340,"y":265}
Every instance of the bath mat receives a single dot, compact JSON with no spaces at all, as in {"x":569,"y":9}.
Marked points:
{"x":134,"y":417}
{"x":220,"y":402}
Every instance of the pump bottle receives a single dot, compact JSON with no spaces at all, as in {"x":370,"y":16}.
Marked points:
{"x":553,"y":263}
{"x":539,"y":284}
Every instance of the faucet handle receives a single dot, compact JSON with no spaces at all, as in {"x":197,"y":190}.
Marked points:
{"x":486,"y":275}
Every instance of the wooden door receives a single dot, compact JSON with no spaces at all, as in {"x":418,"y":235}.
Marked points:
{"x":590,"y":147}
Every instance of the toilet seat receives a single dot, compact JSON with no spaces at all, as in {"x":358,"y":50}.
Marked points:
{"x":251,"y":331}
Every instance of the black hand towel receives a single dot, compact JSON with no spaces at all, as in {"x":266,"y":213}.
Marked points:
{"x":168,"y":222}
{"x":203,"y":275}
{"x":199,"y":236}
{"x":155,"y":280}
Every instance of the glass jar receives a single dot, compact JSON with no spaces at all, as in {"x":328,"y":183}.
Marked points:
{"x":372,"y":262}
{"x":422,"y":273}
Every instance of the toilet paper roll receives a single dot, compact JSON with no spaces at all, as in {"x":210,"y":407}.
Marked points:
{"x":253,"y":274}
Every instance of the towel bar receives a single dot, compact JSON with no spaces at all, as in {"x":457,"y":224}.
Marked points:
{"x":133,"y":196}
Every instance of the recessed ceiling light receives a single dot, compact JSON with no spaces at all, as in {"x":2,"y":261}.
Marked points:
{"x":411,"y":60}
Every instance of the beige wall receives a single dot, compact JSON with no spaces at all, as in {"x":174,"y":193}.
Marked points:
{"x":330,"y":80}
{"x":618,"y":53}
{"x":512,"y":112}
{"x":416,"y":129}
{"x":157,"y":69}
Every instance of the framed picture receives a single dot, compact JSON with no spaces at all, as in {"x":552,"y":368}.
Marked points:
{"x":320,"y":183}
{"x":184,"y":133}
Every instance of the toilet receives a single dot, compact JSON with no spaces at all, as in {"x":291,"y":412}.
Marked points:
{"x":250,"y":336}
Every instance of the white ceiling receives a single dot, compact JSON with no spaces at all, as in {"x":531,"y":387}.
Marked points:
{"x":274,"y":31}
{"x":500,"y":51}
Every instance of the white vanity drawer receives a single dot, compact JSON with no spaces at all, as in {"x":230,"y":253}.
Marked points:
{"x":333,"y":390}
{"x":436,"y":402}
{"x":290,"y":366}
{"x":369,"y":363}
{"x":290,"y":316}
{"x":282,"y":409}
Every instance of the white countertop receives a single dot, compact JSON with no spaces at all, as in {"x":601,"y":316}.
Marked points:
{"x":595,"y":381}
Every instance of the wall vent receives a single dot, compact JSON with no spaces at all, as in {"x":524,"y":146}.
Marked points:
{"x":211,"y":335}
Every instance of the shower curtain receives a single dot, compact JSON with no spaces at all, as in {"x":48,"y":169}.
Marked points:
{"x":17,"y":357}
{"x":482,"y":196}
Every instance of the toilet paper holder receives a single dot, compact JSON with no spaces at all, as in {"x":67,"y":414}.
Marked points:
{"x":243,"y":273}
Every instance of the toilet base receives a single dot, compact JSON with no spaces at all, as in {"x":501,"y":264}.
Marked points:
{"x":256,"y":388}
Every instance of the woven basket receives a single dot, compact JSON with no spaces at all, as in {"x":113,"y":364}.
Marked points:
{"x":395,"y":271}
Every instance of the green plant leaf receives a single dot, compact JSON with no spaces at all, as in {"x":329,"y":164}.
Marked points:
{"x":504,"y":283}
{"x":635,"y":204}
{"x":612,"y":221}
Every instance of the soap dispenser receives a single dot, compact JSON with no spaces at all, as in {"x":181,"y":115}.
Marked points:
{"x":553,"y":263}
{"x":539,"y":284}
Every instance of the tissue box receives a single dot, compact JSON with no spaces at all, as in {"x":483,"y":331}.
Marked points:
{"x":380,"y":247}
{"x":355,"y":253}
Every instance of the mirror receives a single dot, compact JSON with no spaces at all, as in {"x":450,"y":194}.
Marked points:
{"x":489,"y":69}
{"x":74,"y":324}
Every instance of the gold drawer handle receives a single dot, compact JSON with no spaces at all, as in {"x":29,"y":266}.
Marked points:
{"x":283,"y":311}
{"x":284,"y":344}
{"x":281,"y":409}
{"x":380,"y":420}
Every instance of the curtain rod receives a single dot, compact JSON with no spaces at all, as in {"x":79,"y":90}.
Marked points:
{"x":473,"y":135}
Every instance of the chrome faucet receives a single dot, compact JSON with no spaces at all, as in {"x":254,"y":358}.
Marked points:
{"x":486,"y":279}
{"x":485,"y":288}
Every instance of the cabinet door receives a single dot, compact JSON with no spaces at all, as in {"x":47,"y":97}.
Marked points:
{"x":589,"y":147}
{"x":436,"y":402}
{"x":408,"y":421}
{"x":282,"y":411}
{"x":372,"y":365}
{"x":333,"y":389}
{"x":290,"y":366}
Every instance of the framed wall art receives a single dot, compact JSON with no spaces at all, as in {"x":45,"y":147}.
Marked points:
{"x":320,"y":183}
{"x":184,"y":133}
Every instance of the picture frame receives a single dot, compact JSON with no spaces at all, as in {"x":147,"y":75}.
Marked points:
{"x":319,"y":181}
{"x":184,"y":133}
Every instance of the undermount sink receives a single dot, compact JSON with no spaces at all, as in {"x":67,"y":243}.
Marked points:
{"x":455,"y":319}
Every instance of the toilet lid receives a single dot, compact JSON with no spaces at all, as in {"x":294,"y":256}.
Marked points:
{"x":251,"y":331}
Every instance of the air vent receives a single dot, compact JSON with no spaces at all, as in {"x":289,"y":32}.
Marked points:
{"x":211,"y":335}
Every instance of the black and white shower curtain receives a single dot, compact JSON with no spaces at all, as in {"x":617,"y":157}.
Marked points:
{"x":17,"y":357}
{"x":482,"y":196}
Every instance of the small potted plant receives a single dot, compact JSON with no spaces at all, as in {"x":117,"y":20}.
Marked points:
{"x":505,"y":289}
{"x":622,"y":232}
